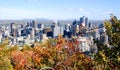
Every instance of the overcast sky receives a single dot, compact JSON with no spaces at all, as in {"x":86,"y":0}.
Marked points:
{"x":59,"y":9}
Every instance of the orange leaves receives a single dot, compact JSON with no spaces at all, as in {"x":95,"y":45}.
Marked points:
{"x":18,"y":60}
{"x":59,"y":46}
{"x":40,"y":55}
{"x":21,"y":59}
{"x":48,"y":54}
{"x":36,"y":59}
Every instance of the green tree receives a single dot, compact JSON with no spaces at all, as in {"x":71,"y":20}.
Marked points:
{"x":113,"y":31}
{"x":110,"y":54}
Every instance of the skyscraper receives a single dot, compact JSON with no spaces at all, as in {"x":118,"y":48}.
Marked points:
{"x":11,"y":27}
{"x":13,"y":30}
{"x":84,"y":20}
{"x":56,"y":30}
{"x":67,"y":31}
{"x":33,"y":33}
{"x":33,"y":25}
{"x":75,"y":28}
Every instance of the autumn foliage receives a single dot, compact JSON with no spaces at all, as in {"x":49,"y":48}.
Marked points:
{"x":58,"y":54}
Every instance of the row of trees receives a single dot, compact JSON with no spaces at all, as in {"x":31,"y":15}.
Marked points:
{"x":61,"y":54}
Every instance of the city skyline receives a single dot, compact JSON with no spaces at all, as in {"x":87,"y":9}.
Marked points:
{"x":58,"y":9}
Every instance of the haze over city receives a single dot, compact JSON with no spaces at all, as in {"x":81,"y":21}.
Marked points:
{"x":58,"y":9}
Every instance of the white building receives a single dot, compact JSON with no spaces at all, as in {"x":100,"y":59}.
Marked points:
{"x":44,"y":38}
{"x":84,"y":44}
{"x":33,"y":33}
{"x":0,"y":37}
{"x":57,"y":30}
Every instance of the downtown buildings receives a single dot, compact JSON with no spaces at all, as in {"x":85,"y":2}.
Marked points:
{"x":33,"y":31}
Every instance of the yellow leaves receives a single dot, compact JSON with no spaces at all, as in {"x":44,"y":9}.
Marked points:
{"x":14,"y":48}
{"x":60,"y":37}
{"x":108,"y":25}
{"x":26,"y":48}
{"x":87,"y":60}
{"x":51,"y":61}
{"x":82,"y":56}
{"x":5,"y":63}
{"x":103,"y":56}
{"x":118,"y":58}
{"x":6,"y":41}
{"x":80,"y":62}
{"x":101,"y":53}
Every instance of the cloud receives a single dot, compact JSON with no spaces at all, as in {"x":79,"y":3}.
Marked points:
{"x":31,"y":0}
{"x":81,"y":9}
{"x":16,"y":13}
{"x":108,"y":12}
{"x":11,"y":13}
{"x":75,"y":9}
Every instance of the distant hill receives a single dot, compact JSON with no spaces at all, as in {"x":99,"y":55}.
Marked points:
{"x":46,"y":21}
{"x":42,"y":19}
{"x":96,"y":22}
